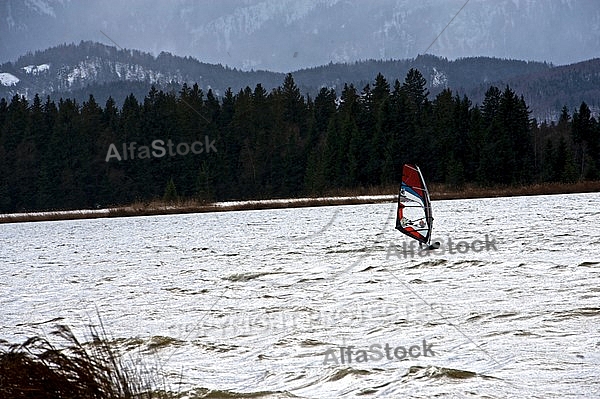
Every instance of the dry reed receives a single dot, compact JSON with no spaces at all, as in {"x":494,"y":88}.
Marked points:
{"x":337,"y":197}
{"x":38,"y":369}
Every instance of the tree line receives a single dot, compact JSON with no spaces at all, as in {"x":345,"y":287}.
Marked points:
{"x":279,"y":143}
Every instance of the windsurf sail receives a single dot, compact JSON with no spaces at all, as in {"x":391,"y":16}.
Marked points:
{"x":414,"y":217}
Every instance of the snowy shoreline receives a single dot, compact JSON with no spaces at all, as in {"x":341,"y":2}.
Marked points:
{"x":438,"y":192}
{"x":163,"y":209}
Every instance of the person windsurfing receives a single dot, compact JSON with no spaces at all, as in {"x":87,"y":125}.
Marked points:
{"x":414,"y":205}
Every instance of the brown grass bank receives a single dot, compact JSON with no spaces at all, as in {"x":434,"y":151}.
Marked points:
{"x":339,"y":197}
{"x":440,"y":192}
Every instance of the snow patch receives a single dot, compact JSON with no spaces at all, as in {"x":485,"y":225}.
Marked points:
{"x":8,"y":79}
{"x":139,"y":73}
{"x":290,"y":201}
{"x":36,"y":70}
{"x":439,"y":78}
{"x":83,"y":71}
{"x":41,"y":7}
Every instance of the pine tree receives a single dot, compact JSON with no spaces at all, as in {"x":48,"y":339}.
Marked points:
{"x":415,"y":87}
{"x":587,"y":137}
{"x":204,"y":183}
{"x":381,"y":130}
{"x":455,"y":173}
{"x":549,"y":162}
{"x":397,"y":149}
{"x":349,"y":140}
{"x":170,"y":195}
{"x":5,"y":197}
{"x":445,"y":145}
{"x":419,"y":130}
{"x":336,"y":155}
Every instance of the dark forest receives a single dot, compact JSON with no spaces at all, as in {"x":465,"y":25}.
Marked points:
{"x":189,"y":144}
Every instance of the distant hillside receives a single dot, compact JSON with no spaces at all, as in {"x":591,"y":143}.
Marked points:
{"x":547,"y":91}
{"x":70,"y":68}
{"x":77,"y":71}
{"x":288,"y":35}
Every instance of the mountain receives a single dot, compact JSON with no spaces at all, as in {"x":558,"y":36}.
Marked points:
{"x":288,"y":35}
{"x":92,"y":67}
{"x":546,"y":92}
{"x":76,"y":71}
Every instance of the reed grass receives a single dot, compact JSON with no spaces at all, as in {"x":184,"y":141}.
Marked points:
{"x":39,"y":369}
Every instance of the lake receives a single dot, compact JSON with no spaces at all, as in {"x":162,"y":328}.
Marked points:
{"x":327,"y":302}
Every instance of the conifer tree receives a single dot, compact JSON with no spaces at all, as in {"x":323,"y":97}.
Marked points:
{"x":170,"y":195}
{"x":415,"y":87}
{"x":397,"y":149}
{"x":587,"y":138}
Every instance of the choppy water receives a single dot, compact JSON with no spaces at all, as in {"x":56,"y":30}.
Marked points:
{"x":260,"y":301}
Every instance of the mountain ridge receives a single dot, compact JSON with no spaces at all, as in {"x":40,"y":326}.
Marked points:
{"x":288,"y":35}
{"x":76,"y":71}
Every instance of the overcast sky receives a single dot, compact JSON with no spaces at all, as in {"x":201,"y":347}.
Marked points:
{"x":285,"y":35}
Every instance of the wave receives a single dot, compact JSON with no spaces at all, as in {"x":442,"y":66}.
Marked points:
{"x":430,"y":263}
{"x":419,"y":372}
{"x":578,"y":312}
{"x":247,"y":276}
{"x":225,"y":394}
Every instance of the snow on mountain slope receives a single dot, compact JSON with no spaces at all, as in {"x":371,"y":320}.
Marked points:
{"x":439,"y":78}
{"x":8,"y":79}
{"x":286,"y":35}
{"x":36,"y":69}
